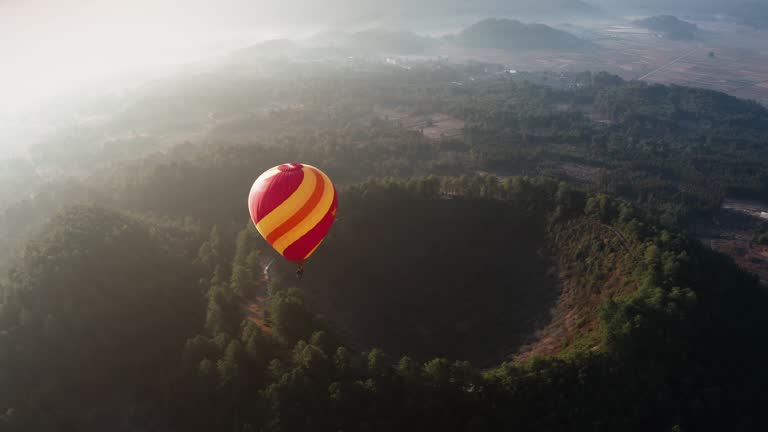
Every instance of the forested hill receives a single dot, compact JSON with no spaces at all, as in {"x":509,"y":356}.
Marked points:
{"x":509,"y":34}
{"x":127,"y":323}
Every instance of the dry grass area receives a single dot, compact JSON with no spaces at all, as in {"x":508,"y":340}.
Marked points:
{"x":435,"y":126}
{"x":747,"y":254}
{"x":578,"y":173}
{"x":443,"y":126}
{"x":256,"y":315}
{"x":255,"y":310}
{"x":575,"y":317}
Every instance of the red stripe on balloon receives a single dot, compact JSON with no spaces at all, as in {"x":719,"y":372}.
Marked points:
{"x":299,"y":249}
{"x":268,"y":194}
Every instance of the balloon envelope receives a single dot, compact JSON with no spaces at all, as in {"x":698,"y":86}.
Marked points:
{"x":293,"y":207}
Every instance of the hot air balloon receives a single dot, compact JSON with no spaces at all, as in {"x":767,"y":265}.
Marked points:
{"x":293,"y":206}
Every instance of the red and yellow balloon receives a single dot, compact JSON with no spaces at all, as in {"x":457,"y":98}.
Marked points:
{"x":293,"y":206}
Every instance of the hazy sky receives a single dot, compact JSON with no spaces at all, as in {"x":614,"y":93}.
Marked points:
{"x":50,"y":45}
{"x":47,"y":46}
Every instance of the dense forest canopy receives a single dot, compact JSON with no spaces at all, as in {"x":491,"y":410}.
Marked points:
{"x":675,"y":150}
{"x":523,"y":118}
{"x":645,"y":363}
{"x":511,"y":252}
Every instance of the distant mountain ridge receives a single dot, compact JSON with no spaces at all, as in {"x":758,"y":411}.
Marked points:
{"x":494,"y":33}
{"x":669,"y":26}
{"x":358,"y":10}
{"x":507,"y":34}
{"x":752,"y":13}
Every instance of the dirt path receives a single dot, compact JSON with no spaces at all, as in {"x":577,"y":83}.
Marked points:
{"x":255,"y":310}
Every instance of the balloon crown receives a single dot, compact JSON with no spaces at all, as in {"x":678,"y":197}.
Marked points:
{"x":293,"y":166}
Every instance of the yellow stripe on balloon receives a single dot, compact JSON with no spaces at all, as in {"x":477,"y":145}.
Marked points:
{"x":290,"y":206}
{"x":314,"y":218}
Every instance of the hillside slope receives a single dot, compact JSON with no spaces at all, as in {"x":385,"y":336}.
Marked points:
{"x":458,"y":278}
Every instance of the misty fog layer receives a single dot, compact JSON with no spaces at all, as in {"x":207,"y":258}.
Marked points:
{"x":49,"y":47}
